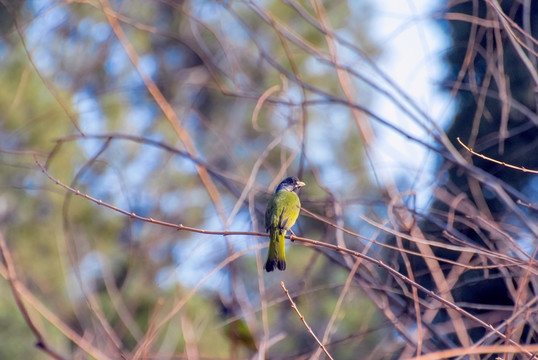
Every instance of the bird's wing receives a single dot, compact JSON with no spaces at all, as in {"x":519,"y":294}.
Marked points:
{"x":283,"y":219}
{"x":282,"y":211}
{"x":270,"y":213}
{"x":290,"y":210}
{"x":268,"y":217}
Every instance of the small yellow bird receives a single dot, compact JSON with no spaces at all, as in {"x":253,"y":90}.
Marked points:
{"x":282,"y":212}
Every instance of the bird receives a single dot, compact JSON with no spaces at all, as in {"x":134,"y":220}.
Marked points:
{"x":281,"y":213}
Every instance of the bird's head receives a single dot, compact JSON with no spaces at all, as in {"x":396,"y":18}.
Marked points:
{"x":290,"y":184}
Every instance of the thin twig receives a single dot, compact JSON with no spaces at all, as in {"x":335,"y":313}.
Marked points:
{"x":165,"y":107}
{"x":485,"y":349}
{"x":294,"y":307}
{"x":520,"y":168}
{"x":337,"y":307}
{"x":46,"y":82}
{"x":379,"y":263}
{"x":55,"y":321}
{"x":41,"y":343}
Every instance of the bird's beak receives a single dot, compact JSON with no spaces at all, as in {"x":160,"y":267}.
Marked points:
{"x":301,"y":184}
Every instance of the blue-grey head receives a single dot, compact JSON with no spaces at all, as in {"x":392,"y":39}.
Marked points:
{"x":290,"y":184}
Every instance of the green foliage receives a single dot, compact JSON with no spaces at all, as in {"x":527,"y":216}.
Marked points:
{"x":74,"y":100}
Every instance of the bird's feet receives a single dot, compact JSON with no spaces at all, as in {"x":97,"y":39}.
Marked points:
{"x":292,"y":236}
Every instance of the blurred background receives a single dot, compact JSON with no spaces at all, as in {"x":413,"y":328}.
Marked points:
{"x":121,"y":120}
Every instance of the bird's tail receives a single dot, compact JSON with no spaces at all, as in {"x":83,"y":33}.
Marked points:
{"x":276,"y":256}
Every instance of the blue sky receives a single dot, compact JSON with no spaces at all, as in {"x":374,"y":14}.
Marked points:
{"x":413,"y":46}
